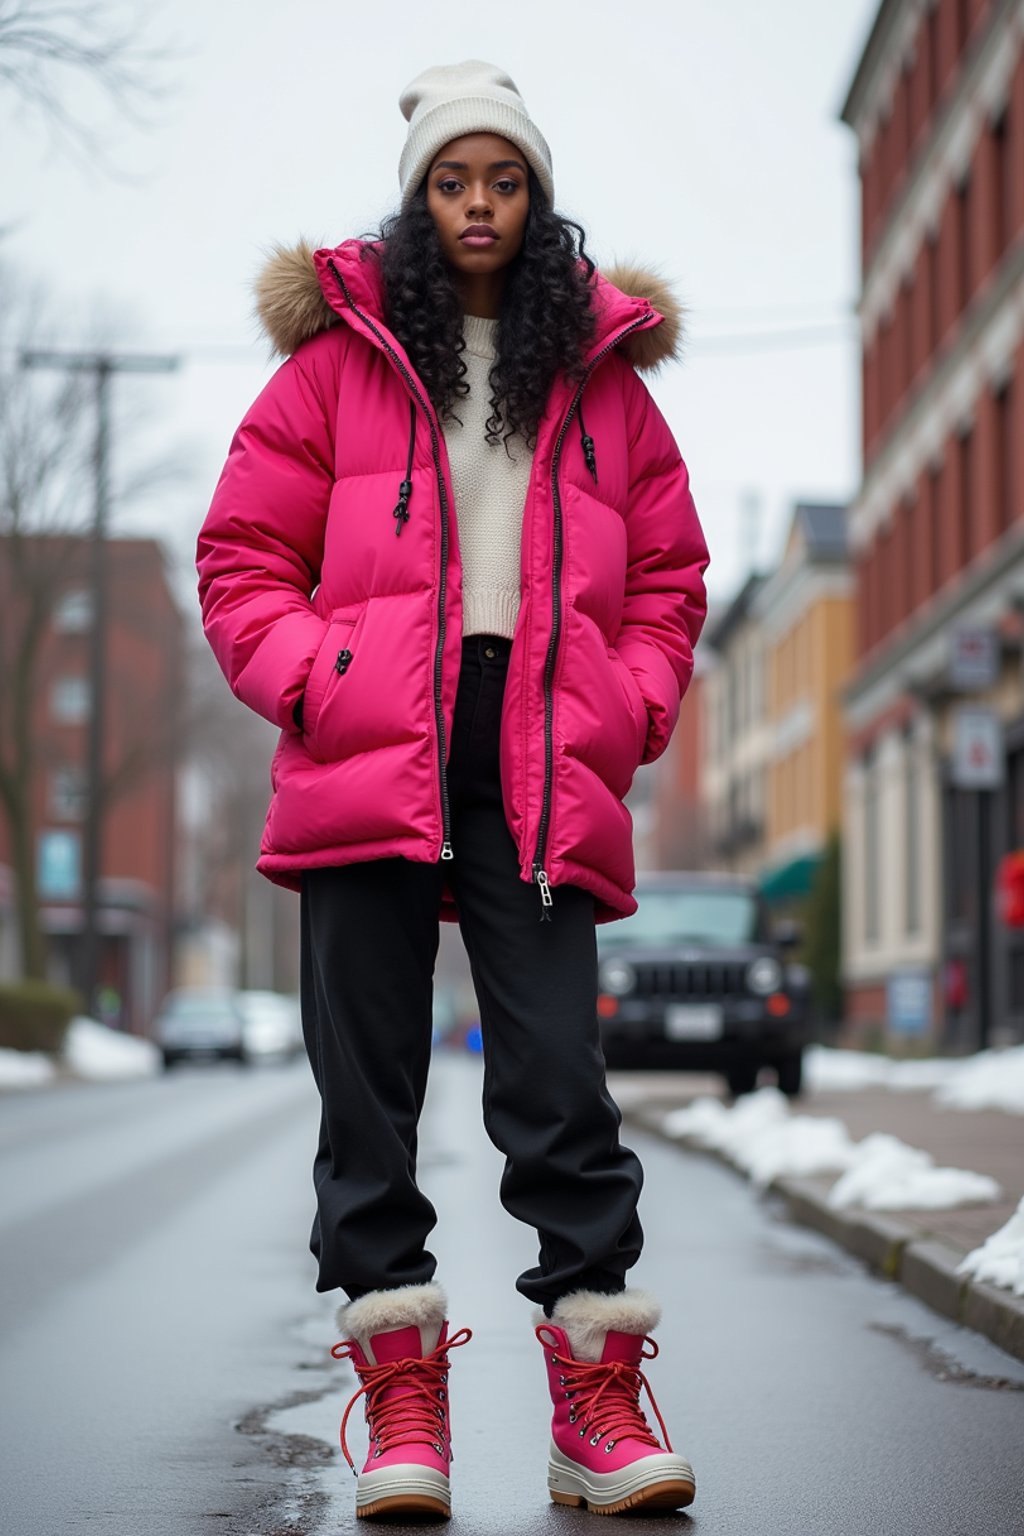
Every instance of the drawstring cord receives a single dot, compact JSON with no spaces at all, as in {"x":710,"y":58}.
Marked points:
{"x":401,"y":512}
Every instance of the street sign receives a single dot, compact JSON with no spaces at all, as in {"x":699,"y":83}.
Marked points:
{"x":908,"y":1002}
{"x":973,"y":658}
{"x":979,"y":760}
{"x":59,"y":872}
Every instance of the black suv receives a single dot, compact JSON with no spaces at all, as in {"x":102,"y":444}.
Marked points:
{"x":697,"y":980}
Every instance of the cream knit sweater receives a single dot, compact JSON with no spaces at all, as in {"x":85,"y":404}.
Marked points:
{"x":490,"y":493}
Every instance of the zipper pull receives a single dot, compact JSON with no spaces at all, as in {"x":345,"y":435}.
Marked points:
{"x":590,"y":455}
{"x":401,"y":512}
{"x":545,"y":896}
{"x":587,"y":444}
{"x":446,"y":851}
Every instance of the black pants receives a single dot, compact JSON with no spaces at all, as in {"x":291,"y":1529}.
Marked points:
{"x":370,"y":935}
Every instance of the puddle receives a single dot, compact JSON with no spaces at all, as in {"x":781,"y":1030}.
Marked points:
{"x":947,"y":1351}
{"x":941,"y":1364}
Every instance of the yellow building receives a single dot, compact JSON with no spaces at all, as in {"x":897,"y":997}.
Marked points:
{"x":805,"y":616}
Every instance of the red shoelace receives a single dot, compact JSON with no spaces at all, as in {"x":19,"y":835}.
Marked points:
{"x":417,"y":1414}
{"x":608,"y":1396}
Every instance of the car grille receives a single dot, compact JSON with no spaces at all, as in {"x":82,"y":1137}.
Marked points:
{"x":691,"y":981}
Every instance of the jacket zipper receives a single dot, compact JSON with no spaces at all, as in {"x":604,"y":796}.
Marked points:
{"x":539,"y":872}
{"x":411,"y":385}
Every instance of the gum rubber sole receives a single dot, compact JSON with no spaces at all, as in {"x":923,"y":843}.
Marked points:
{"x":673,"y":1493}
{"x":400,"y":1504}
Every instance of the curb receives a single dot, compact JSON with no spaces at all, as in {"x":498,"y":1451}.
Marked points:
{"x":911,"y":1256}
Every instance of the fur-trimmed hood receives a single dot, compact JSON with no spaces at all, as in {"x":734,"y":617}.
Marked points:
{"x":292,"y":304}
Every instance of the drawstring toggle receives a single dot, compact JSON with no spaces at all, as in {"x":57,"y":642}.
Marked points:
{"x":401,"y":512}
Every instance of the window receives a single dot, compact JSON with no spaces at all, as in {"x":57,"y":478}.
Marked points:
{"x":67,"y":794}
{"x":1004,"y":181}
{"x":965,"y":522}
{"x":872,"y":882}
{"x":70,"y":700}
{"x":73,"y":613}
{"x":1004,"y":456}
{"x":907,"y":331}
{"x":932,"y":46}
{"x":912,"y":837}
{"x":933,"y":292}
{"x":963,"y":243}
{"x":963,"y":24}
{"x":908,"y":564}
{"x":935,"y":531}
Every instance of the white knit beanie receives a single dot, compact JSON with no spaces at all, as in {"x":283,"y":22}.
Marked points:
{"x":449,"y":100}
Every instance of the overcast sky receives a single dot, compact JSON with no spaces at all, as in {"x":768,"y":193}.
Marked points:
{"x":701,"y":136}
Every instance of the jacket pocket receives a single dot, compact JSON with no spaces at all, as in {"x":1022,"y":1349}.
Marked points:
{"x":329,"y":665}
{"x":634,"y":699}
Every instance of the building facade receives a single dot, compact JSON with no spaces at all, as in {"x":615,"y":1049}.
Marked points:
{"x":804,"y":613}
{"x":47,"y":710}
{"x":735,"y":735}
{"x":935,"y":708}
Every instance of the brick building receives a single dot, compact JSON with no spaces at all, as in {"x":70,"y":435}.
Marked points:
{"x":937,"y":527}
{"x":143,"y":713}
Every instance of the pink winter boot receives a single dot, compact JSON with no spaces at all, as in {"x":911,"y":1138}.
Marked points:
{"x":603,"y":1452}
{"x":398,"y":1343}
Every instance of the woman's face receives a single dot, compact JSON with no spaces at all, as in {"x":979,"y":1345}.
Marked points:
{"x":478,"y":194}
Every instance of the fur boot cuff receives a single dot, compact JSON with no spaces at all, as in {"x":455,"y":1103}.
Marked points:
{"x":587,"y":1316}
{"x":406,"y":1306}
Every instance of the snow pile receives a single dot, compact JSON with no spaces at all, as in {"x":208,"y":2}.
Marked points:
{"x":97,"y":1053}
{"x":25,"y":1069}
{"x":989,"y":1080}
{"x":887,"y":1175}
{"x":829,"y":1071}
{"x":760,"y":1135}
{"x":1000,"y":1259}
{"x":800,"y":1146}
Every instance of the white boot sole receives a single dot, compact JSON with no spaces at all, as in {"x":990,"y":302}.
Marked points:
{"x":660,"y":1481}
{"x":403,"y":1490}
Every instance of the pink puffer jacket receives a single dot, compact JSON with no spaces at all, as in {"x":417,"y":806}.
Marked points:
{"x":329,"y":573}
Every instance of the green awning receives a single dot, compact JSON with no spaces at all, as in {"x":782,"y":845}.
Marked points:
{"x":792,"y":879}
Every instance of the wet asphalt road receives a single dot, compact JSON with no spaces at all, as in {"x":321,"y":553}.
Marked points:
{"x":164,"y":1361}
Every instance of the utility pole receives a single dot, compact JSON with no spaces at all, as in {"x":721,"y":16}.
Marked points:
{"x":102,"y":366}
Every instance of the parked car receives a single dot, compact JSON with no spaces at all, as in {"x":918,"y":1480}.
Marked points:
{"x":200,"y":1022}
{"x":272,"y":1024}
{"x":698,"y":979}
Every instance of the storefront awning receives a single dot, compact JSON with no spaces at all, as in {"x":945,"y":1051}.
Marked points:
{"x":794,"y":878}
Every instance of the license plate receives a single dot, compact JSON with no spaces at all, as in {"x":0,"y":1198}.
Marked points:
{"x":693,"y":1021}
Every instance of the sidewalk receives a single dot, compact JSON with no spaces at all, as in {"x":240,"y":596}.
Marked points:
{"x":920,"y":1249}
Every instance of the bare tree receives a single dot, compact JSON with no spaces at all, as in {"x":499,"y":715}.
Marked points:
{"x":46,"y":441}
{"x":48,"y":49}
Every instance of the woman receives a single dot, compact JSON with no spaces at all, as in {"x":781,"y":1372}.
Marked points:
{"x":454,"y":556}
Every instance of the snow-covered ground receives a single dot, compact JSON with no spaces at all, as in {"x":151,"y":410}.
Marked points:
{"x":763,"y":1137}
{"x":91,"y":1052}
{"x":99,"y":1054}
{"x":987,"y":1080}
{"x":25,"y":1069}
{"x":1000,"y":1259}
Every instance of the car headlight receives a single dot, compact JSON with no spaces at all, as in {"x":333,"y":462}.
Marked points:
{"x":617,"y":977}
{"x":764,"y":975}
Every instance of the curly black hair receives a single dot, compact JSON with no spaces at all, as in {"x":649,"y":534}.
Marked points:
{"x":546,"y":323}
